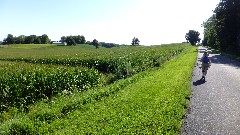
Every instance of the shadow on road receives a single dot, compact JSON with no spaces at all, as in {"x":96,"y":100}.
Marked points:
{"x":220,"y":59}
{"x":198,"y":82}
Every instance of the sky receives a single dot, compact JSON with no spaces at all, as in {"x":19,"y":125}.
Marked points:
{"x":153,"y":22}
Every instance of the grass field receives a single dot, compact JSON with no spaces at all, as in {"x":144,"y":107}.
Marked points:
{"x":153,"y":101}
{"x":82,"y":51}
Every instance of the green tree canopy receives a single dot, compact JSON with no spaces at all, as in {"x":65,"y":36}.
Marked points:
{"x":228,"y":25}
{"x":9,"y":40}
{"x":222,"y":29}
{"x":29,"y":39}
{"x":70,"y":40}
{"x":37,"y":40}
{"x":83,"y":41}
{"x":210,"y":32}
{"x":95,"y":43}
{"x":73,"y":40}
{"x":45,"y":39}
{"x":135,"y":41}
{"x":193,"y":37}
{"x":20,"y":39}
{"x":63,"y":39}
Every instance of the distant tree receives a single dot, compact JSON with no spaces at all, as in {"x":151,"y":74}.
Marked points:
{"x":193,"y":37}
{"x":78,"y":39}
{"x":95,"y":43}
{"x":9,"y":40}
{"x":45,"y":39}
{"x":70,"y":40}
{"x":37,"y":40}
{"x":63,"y":39}
{"x":135,"y":41}
{"x":88,"y":42}
{"x":26,"y":40}
{"x":20,"y":39}
{"x":108,"y":45}
{"x":29,"y":39}
{"x":83,"y":40}
{"x":34,"y":39}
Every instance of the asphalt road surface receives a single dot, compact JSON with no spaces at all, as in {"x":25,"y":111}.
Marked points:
{"x":214,"y":104}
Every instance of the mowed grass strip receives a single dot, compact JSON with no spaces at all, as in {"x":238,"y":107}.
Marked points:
{"x":155,"y":104}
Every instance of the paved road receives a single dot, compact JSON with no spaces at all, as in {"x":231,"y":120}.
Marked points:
{"x":215,"y":105}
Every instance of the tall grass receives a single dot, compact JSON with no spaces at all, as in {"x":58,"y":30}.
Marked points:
{"x":22,"y":84}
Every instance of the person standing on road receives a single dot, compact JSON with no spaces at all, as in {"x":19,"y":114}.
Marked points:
{"x":206,"y":63}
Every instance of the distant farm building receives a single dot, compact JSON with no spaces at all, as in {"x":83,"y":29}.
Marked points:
{"x":59,"y":43}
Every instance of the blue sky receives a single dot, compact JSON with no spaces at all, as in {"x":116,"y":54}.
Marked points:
{"x":154,"y":22}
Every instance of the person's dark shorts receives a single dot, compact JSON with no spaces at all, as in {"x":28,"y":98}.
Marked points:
{"x":205,"y":67}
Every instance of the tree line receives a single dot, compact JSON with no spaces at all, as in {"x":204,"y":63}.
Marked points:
{"x":22,"y":39}
{"x":44,"y":39}
{"x":69,"y":40}
{"x":222,"y":29}
{"x":73,"y":40}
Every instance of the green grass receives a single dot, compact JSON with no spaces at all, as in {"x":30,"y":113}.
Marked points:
{"x":41,"y":50}
{"x":29,"y":46}
{"x":154,"y":104}
{"x":23,"y":83}
{"x":120,"y":61}
{"x":78,"y":51}
{"x":151,"y":102}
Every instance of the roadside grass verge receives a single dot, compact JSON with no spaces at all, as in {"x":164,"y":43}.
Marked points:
{"x":155,"y":104}
{"x":152,"y":103}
